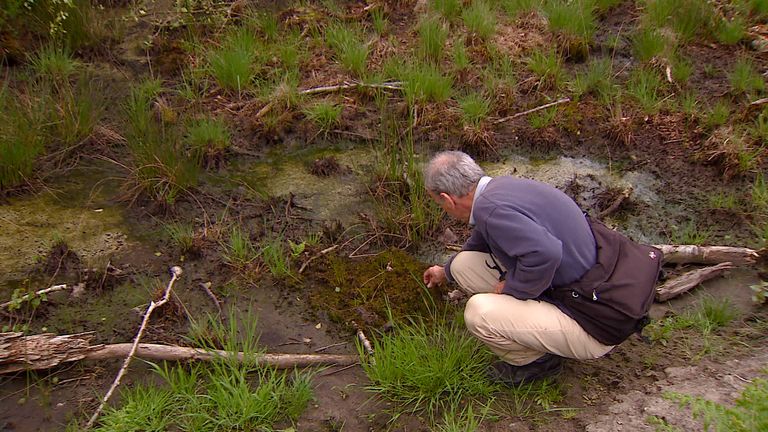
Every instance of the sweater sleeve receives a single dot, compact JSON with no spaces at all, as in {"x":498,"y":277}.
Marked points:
{"x":475,"y":242}
{"x":529,"y":252}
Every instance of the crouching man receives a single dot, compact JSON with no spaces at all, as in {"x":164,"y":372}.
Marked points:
{"x":530,"y":244}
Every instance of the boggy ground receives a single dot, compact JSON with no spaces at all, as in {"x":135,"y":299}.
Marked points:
{"x":120,"y":243}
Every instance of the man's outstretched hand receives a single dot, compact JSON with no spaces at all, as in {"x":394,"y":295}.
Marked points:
{"x":434,"y":276}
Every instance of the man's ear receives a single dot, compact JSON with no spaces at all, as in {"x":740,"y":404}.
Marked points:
{"x":448,"y":199}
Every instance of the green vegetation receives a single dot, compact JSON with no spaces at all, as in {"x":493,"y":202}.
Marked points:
{"x":21,"y":138}
{"x":718,"y":115}
{"x":379,"y":20}
{"x":543,"y":118}
{"x":645,"y":87}
{"x":687,"y":18}
{"x":53,"y":62}
{"x":224,"y":395}
{"x":238,"y":251}
{"x":574,"y":22}
{"x":408,"y":373}
{"x":208,"y":138}
{"x":705,"y":319}
{"x":424,"y":82}
{"x":474,"y":109}
{"x":182,"y":235}
{"x":749,"y":413}
{"x":450,"y":9}
{"x":432,"y":36}
{"x":731,"y":32}
{"x":234,"y":63}
{"x":159,"y":166}
{"x":518,"y":7}
{"x":690,"y":234}
{"x":276,"y":256}
{"x":649,"y":43}
{"x":325,"y":114}
{"x":547,"y":66}
{"x":745,"y":79}
{"x":596,"y":79}
{"x":480,"y":19}
{"x":348,"y":46}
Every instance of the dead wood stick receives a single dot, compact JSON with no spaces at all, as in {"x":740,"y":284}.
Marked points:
{"x":395,"y":85}
{"x":683,"y":283}
{"x":615,"y":204}
{"x":322,"y":252}
{"x":685,"y":254}
{"x":175,"y":273}
{"x":26,"y":297}
{"x":532,"y":110}
{"x":206,"y":286}
{"x":759,"y":101}
{"x":44,"y":351}
{"x":363,"y":340}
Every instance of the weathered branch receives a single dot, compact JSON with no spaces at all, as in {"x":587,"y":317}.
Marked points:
{"x":685,"y":254}
{"x":175,"y":273}
{"x":532,"y":110}
{"x":675,"y":287}
{"x":615,"y":204}
{"x":26,"y":297}
{"x":44,"y":351}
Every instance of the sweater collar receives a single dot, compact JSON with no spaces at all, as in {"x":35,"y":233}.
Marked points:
{"x":481,"y":184}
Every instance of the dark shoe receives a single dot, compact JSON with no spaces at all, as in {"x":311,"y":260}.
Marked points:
{"x":545,"y":366}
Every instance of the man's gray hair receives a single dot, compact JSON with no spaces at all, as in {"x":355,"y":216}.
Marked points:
{"x":452,"y":172}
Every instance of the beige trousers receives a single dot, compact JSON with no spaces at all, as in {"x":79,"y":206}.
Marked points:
{"x":518,"y":331}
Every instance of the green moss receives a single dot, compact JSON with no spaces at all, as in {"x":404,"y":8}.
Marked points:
{"x":368,"y":289}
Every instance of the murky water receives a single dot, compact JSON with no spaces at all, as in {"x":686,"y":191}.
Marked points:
{"x":94,"y":226}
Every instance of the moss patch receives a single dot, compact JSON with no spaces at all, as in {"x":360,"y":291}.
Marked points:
{"x":368,"y":290}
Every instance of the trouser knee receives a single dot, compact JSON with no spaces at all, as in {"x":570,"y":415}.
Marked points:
{"x":474,"y":315}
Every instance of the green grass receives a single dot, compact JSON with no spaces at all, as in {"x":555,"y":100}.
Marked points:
{"x":456,"y":419}
{"x":748,"y":413}
{"x":208,"y":138}
{"x":499,"y":76}
{"x":682,"y":69}
{"x":759,"y":128}
{"x":234,"y":63}
{"x":474,"y":108}
{"x":379,"y":20}
{"x":219,"y":396}
{"x":181,"y":235}
{"x":704,"y":320}
{"x":718,"y":115}
{"x":547,"y":66}
{"x":450,"y":9}
{"x":54,"y":62}
{"x":745,"y":79}
{"x":648,"y":43}
{"x":645,"y":86}
{"x":325,"y":114}
{"x":238,"y":251}
{"x":348,"y":46}
{"x":690,"y":234}
{"x":432,"y":36}
{"x":759,"y":194}
{"x":543,"y":118}
{"x":276,"y":256}
{"x":480,"y":19}
{"x":459,"y":56}
{"x":514,"y":8}
{"x":574,"y":22}
{"x":596,"y":79}
{"x":724,"y":201}
{"x":408,"y":372}
{"x":687,"y":18}
{"x":731,"y":32}
{"x":424,"y":82}
{"x":689,"y":104}
{"x":158,"y":167}
{"x":21,"y":136}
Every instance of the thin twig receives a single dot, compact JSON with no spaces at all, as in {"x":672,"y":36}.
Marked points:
{"x":206,"y":287}
{"x":364,"y":340}
{"x":340,"y":370}
{"x":175,"y":273}
{"x":533,"y":110}
{"x":322,"y":252}
{"x":321,"y":349}
{"x":26,"y":297}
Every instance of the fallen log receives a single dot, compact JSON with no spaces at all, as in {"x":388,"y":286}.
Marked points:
{"x":676,"y":286}
{"x":692,"y":254}
{"x":44,"y":351}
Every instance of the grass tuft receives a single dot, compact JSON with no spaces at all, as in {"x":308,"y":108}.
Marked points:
{"x":432,"y":36}
{"x":450,"y":9}
{"x":513,"y":8}
{"x":349,"y":47}
{"x":731,"y":32}
{"x":208,"y":139}
{"x":424,"y":82}
{"x":54,"y":61}
{"x":474,"y":109}
{"x":574,"y":21}
{"x":649,"y":43}
{"x":596,"y":79}
{"x":480,"y":19}
{"x":234,"y":63}
{"x":238,"y":251}
{"x":408,"y":373}
{"x":645,"y":86}
{"x":21,"y":137}
{"x":744,"y":79}
{"x":548,"y":67}
{"x":325,"y":114}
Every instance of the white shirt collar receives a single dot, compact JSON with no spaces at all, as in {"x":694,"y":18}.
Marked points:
{"x":478,"y":190}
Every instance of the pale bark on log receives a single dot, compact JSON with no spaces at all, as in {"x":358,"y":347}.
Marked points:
{"x":675,"y":287}
{"x":44,"y":351}
{"x":692,"y":254}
